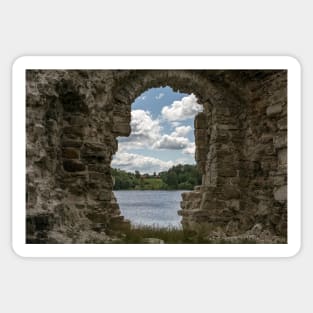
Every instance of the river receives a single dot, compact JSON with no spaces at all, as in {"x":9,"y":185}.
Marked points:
{"x":150,"y":207}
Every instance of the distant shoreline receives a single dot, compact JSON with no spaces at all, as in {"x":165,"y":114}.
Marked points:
{"x":178,"y":177}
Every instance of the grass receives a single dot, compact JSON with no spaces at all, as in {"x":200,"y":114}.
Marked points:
{"x":170,"y":235}
{"x":137,"y":234}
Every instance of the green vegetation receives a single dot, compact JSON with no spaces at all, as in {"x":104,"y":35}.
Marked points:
{"x":138,"y":234}
{"x":179,"y":177}
{"x":171,"y":235}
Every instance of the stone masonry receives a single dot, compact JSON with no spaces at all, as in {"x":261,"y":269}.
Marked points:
{"x":73,"y":120}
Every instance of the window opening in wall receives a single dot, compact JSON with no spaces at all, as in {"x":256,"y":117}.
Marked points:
{"x":156,"y":163}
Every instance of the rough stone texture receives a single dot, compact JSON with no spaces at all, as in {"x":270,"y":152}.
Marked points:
{"x":75,"y":116}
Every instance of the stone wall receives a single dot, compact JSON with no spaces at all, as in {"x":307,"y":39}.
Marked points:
{"x":74,"y":118}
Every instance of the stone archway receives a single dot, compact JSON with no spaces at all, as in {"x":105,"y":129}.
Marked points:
{"x":206,"y":207}
{"x":74,"y":117}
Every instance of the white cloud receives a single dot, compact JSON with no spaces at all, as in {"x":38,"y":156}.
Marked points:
{"x":143,"y":124}
{"x":181,"y":110}
{"x":174,"y":141}
{"x":144,"y":131}
{"x":185,"y":160}
{"x":190,"y":149}
{"x":171,"y":142}
{"x":147,"y":134}
{"x":159,"y":96}
{"x":134,"y":162}
{"x":175,"y":124}
{"x":181,"y":131}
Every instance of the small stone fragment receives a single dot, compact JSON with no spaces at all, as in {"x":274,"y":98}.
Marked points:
{"x":274,"y":109}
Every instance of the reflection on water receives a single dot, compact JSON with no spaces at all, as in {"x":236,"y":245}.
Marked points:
{"x":150,"y":207}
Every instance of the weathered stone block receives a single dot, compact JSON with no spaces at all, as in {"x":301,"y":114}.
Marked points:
{"x":256,"y":229}
{"x":97,"y":217}
{"x":100,"y":176}
{"x":99,"y":168}
{"x":201,"y":166}
{"x":72,"y":143}
{"x":279,"y":180}
{"x":232,"y":228}
{"x":280,"y":194}
{"x":230,"y":192}
{"x":280,"y":140}
{"x":70,"y":153}
{"x":201,"y":133}
{"x":123,"y":118}
{"x":227,"y":171}
{"x":73,"y":166}
{"x":121,"y":129}
{"x":201,"y":121}
{"x":52,"y":126}
{"x":282,"y":157}
{"x":274,"y":109}
{"x":233,"y":204}
{"x":282,"y":123}
{"x":267,"y":137}
{"x":39,"y":130}
{"x":78,"y":120}
{"x":263,"y":208}
{"x":228,"y":126}
{"x":74,"y":103}
{"x":268,"y":164}
{"x":222,"y":136}
{"x":74,"y":131}
{"x":105,"y":195}
{"x":90,"y":147}
{"x":201,"y":154}
{"x":119,"y":223}
{"x":94,"y":153}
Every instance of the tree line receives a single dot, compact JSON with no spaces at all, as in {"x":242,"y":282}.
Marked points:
{"x":178,"y":177}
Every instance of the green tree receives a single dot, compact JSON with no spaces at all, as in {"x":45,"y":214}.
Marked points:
{"x":177,"y":177}
{"x":172,"y":180}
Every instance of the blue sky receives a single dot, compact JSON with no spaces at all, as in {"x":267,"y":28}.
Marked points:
{"x":162,"y":134}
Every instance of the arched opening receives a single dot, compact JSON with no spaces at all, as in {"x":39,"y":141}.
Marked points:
{"x":217,"y":145}
{"x":156,"y":163}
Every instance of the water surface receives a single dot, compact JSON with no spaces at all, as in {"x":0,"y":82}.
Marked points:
{"x":150,"y":207}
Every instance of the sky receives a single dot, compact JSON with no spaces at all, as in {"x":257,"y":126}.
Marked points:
{"x":162,"y":132}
